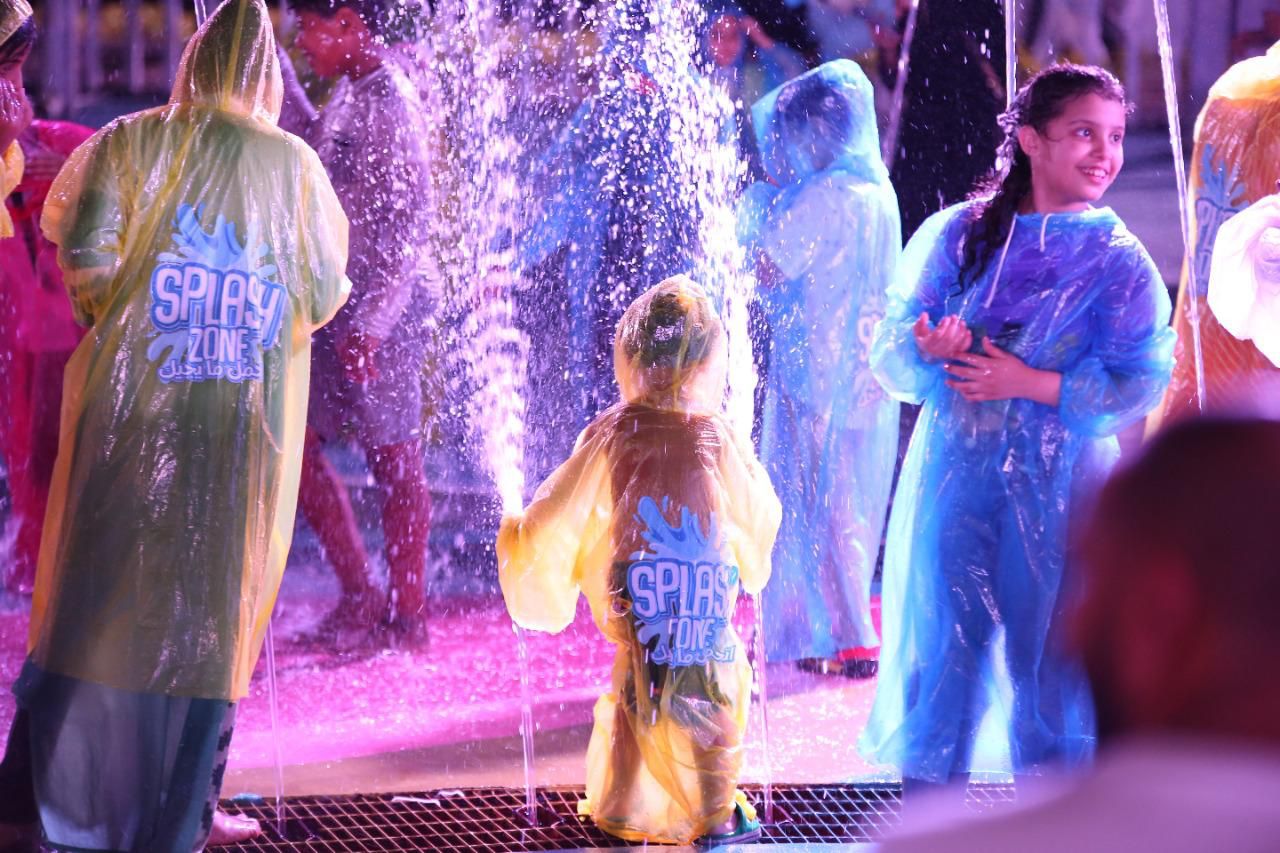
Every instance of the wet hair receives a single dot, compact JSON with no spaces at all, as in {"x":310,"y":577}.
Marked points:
{"x":1003,"y":190}
{"x":673,"y":326}
{"x":390,"y":20}
{"x":669,"y":335}
{"x":812,"y":108}
{"x":21,"y":39}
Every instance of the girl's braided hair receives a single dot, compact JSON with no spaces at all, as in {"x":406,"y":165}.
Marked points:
{"x":1003,"y":190}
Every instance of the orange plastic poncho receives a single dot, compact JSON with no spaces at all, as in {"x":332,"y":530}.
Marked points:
{"x":204,"y":246}
{"x":659,"y":517}
{"x":1236,"y":161}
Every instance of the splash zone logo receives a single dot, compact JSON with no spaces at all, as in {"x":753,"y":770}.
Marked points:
{"x":225,"y":320}
{"x":685,"y":607}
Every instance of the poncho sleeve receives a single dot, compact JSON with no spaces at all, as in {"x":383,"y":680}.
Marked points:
{"x":10,"y":177}
{"x":85,"y":217}
{"x":541,"y":551}
{"x":928,"y":270}
{"x":1126,"y":371}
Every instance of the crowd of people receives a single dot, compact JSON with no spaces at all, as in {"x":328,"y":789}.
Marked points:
{"x":200,"y":297}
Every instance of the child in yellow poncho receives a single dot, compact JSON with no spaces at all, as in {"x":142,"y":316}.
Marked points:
{"x":660,"y":515}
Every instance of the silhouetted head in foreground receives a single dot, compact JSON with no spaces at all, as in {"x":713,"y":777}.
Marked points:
{"x":1178,"y":623}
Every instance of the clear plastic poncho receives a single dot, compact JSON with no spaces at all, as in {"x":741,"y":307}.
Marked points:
{"x":830,"y":433}
{"x":203,"y":245}
{"x":974,"y":567}
{"x":1235,"y":162}
{"x":661,"y":515}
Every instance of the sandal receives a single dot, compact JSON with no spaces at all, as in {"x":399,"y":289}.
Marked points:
{"x":746,"y":829}
{"x":860,"y":668}
{"x":820,"y":666}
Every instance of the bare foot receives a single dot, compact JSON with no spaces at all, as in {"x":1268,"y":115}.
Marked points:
{"x":408,"y":634}
{"x":231,"y":829}
{"x":356,"y":615}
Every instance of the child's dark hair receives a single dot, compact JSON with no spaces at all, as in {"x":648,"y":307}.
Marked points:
{"x":390,"y":20}
{"x":813,"y":104}
{"x":21,"y":39}
{"x":1003,"y":190}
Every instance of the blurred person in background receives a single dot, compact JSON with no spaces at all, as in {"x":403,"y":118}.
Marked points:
{"x":859,"y":30}
{"x":1176,"y":624}
{"x":37,"y":336}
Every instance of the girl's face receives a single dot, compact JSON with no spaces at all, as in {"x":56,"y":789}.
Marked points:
{"x":1079,"y":154}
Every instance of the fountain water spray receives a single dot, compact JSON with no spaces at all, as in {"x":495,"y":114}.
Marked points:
{"x":475,"y":96}
{"x":889,"y":145}
{"x":1165,"y":45}
{"x":1010,"y":51}
{"x":272,"y":696}
{"x":706,"y":166}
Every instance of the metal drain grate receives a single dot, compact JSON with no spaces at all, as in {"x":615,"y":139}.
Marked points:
{"x":486,"y":819}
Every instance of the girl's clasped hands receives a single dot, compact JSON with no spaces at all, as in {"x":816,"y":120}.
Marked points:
{"x":992,"y":374}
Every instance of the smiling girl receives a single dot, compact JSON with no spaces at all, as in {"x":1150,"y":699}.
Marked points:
{"x":1033,"y":327}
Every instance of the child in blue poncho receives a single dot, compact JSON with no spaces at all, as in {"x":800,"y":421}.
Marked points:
{"x":829,"y":228}
{"x":1033,"y":327}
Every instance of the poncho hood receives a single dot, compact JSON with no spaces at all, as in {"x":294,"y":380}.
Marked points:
{"x":13,"y":13}
{"x":230,"y":64}
{"x":669,"y":351}
{"x":822,"y":120}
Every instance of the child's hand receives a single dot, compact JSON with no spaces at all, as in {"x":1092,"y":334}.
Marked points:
{"x":356,"y":354}
{"x":950,"y":338}
{"x":999,"y":375}
{"x":15,"y":113}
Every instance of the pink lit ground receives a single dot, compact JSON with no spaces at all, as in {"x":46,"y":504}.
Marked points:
{"x":381,"y":720}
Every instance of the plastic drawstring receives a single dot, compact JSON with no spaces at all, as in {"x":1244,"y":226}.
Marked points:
{"x":1004,"y":253}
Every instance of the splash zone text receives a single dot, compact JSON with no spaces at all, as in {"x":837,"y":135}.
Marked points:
{"x":226,"y":319}
{"x":686,"y":607}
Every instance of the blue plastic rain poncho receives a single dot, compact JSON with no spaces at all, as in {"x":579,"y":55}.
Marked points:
{"x":830,"y":433}
{"x":661,"y":515}
{"x":973,"y":577}
{"x":610,"y":191}
{"x":203,"y":246}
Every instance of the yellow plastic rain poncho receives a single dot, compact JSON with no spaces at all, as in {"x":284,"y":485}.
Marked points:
{"x":1235,"y":163}
{"x":13,"y":13}
{"x":659,"y":516}
{"x":204,"y":246}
